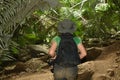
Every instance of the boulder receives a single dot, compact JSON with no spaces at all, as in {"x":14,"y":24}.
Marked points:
{"x":86,"y":70}
{"x":38,"y":50}
{"x":35,"y":64}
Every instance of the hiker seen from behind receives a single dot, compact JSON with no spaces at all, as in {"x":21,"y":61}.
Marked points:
{"x":67,"y":51}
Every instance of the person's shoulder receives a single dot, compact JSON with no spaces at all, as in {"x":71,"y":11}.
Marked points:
{"x":56,"y":37}
{"x":77,"y":39}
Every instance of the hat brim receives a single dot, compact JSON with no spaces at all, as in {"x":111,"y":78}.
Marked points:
{"x":66,"y":31}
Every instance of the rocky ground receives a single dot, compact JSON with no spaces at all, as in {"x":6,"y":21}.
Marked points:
{"x":102,"y":63}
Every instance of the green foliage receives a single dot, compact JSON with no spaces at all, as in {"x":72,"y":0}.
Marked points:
{"x":102,"y":7}
{"x":12,"y":14}
{"x":6,"y":56}
{"x":94,"y":19}
{"x":14,"y":50}
{"x":38,"y":29}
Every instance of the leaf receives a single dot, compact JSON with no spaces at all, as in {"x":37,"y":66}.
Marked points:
{"x":30,"y":36}
{"x":6,"y":57}
{"x":14,"y":50}
{"x":102,"y":7}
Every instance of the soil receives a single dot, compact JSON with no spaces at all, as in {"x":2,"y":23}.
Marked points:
{"x":107,"y":64}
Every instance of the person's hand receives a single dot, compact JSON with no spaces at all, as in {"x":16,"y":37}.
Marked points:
{"x":51,"y":61}
{"x":53,"y":58}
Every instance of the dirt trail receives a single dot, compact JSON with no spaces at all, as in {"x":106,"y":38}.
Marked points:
{"x":36,"y":76}
{"x":105,"y":62}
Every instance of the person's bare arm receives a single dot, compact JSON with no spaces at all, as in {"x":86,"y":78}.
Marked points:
{"x":82,"y":50}
{"x":52,"y":50}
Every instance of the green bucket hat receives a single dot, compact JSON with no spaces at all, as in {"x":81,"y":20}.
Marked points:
{"x":66,"y":26}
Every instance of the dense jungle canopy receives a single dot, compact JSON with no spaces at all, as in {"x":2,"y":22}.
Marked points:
{"x":25,"y":22}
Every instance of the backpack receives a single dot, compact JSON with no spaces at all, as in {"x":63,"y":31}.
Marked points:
{"x":67,"y":52}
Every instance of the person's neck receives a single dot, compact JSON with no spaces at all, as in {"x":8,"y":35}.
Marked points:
{"x":66,"y":33}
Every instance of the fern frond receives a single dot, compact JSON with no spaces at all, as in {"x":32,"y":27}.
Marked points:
{"x":13,"y":12}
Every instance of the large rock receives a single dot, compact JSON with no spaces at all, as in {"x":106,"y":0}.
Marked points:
{"x":38,"y":50}
{"x":86,"y":70}
{"x":100,"y":77}
{"x":35,"y":64}
{"x":92,"y":54}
